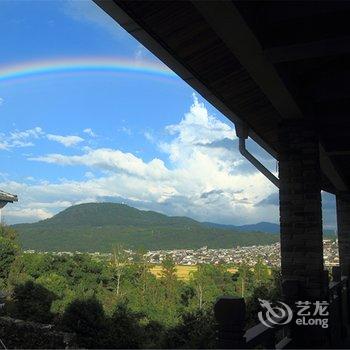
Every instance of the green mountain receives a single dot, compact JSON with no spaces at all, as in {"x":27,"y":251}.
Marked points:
{"x":98,"y":226}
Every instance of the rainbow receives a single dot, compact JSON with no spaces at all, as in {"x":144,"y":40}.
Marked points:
{"x":82,"y":64}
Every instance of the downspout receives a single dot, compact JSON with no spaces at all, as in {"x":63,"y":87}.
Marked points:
{"x":242,"y":132}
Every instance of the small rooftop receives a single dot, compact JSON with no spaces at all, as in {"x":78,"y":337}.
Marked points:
{"x":7,"y":197}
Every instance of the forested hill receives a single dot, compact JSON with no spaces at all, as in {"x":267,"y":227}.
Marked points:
{"x":98,"y":226}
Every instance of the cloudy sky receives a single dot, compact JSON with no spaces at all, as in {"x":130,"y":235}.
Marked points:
{"x":135,"y":134}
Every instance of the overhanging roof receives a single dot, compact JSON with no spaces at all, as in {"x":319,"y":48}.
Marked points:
{"x":7,"y":197}
{"x":258,"y":62}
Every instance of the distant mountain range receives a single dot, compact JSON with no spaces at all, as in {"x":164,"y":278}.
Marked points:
{"x":259,"y":227}
{"x":263,"y":226}
{"x":98,"y":226}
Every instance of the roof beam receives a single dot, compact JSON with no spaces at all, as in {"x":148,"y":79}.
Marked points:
{"x":116,"y":11}
{"x":227,"y":22}
{"x":314,"y":49}
{"x":327,"y":84}
{"x":338,"y":153}
{"x":330,"y":171}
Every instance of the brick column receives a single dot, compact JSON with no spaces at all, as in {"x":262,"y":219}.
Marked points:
{"x":343,"y":222}
{"x":300,"y":210}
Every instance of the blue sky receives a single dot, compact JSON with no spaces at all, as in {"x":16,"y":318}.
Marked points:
{"x":126,"y":136}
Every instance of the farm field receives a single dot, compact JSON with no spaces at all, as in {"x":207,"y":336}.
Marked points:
{"x":182,"y":271}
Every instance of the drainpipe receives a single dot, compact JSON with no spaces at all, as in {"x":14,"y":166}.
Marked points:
{"x":242,"y":132}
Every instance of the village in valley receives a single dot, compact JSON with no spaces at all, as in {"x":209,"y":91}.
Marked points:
{"x":267,"y":254}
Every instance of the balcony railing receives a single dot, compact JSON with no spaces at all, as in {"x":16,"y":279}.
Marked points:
{"x":230,"y":315}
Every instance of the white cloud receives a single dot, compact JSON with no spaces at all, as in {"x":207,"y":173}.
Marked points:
{"x":4,"y":146}
{"x":67,"y":141}
{"x":25,"y":138}
{"x":149,"y":136}
{"x":89,"y":175}
{"x":89,"y":132}
{"x":48,"y":205}
{"x":110,"y":160}
{"x":126,"y":130}
{"x":195,"y":130}
{"x":140,"y":53}
{"x":17,"y":138}
{"x":206,"y":182}
{"x":17,"y":215}
{"x":29,"y":133}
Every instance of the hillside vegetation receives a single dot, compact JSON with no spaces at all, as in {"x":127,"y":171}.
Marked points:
{"x":98,"y":226}
{"x":116,"y":303}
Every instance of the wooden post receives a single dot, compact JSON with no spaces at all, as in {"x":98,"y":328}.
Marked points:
{"x":326,"y":282}
{"x":230,"y":314}
{"x":336,"y":274}
{"x":343,"y":223}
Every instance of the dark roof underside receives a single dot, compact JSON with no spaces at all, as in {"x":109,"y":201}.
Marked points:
{"x":260,"y":62}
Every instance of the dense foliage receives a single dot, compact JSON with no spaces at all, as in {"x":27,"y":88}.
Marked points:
{"x":98,"y":226}
{"x":118,"y":303}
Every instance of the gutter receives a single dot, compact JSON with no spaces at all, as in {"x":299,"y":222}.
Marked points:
{"x":242,"y":132}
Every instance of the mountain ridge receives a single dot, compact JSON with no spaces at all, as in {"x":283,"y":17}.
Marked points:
{"x":262,"y":226}
{"x":98,"y":226}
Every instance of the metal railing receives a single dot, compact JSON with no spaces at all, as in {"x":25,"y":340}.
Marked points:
{"x":230,"y":314}
{"x":338,"y":310}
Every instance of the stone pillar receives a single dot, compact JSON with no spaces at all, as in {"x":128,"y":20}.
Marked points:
{"x":300,"y":210}
{"x":343,"y":222}
{"x":303,"y":277}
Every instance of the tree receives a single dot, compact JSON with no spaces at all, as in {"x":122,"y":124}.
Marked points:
{"x":195,"y":331}
{"x":210,"y":282}
{"x":37,"y":264}
{"x":32,"y":302}
{"x":8,"y":252}
{"x":168,"y":269}
{"x":57,"y":285}
{"x":87,"y":319}
{"x":243,"y":280}
{"x":8,"y":232}
{"x":200,"y":280}
{"x":168,"y":278}
{"x":270,"y":292}
{"x":125,"y":331}
{"x":141,"y":262}
{"x":17,"y":274}
{"x":261,"y":273}
{"x":118,"y":262}
{"x":188,"y":292}
{"x":170,"y":297}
